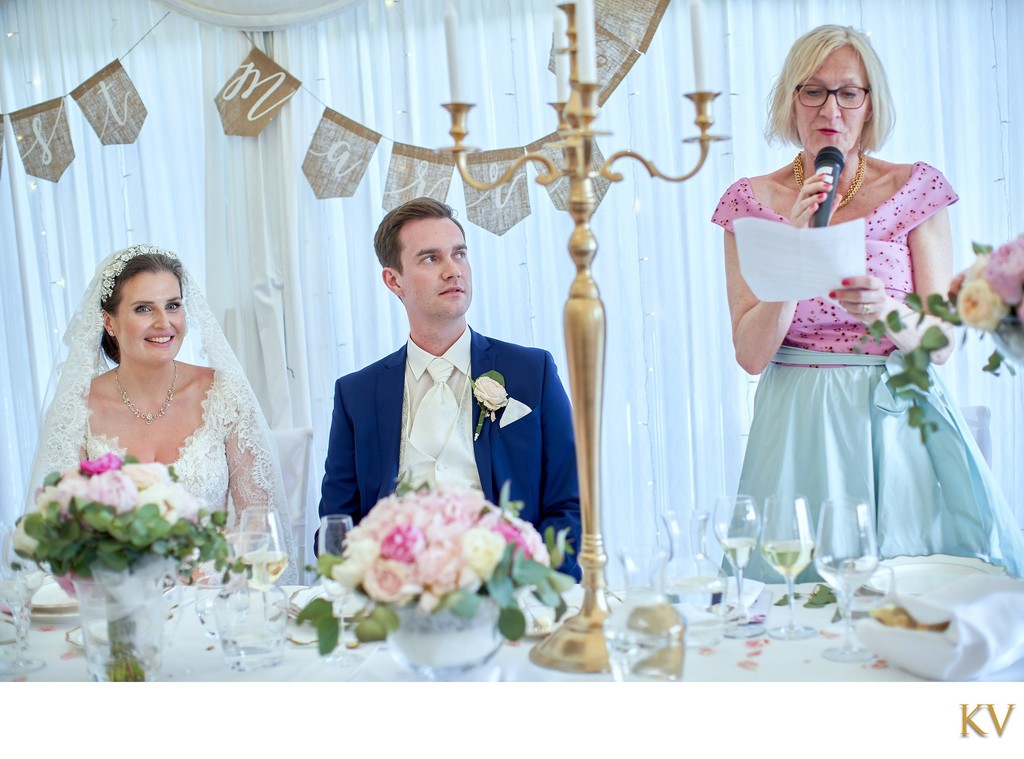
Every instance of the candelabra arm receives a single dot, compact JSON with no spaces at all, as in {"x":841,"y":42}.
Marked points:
{"x":551,"y":173}
{"x":614,"y":176}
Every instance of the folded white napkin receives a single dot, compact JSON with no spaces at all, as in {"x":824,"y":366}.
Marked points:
{"x":751,"y":590}
{"x":514,"y":411}
{"x":985,"y":633}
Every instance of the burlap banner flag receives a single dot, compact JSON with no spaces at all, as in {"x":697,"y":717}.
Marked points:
{"x":500,"y":209}
{"x":416,"y":172}
{"x":338,"y":156}
{"x":112,"y":105}
{"x":632,"y":21}
{"x":559,"y":189}
{"x":254,"y":95}
{"x":43,"y":138}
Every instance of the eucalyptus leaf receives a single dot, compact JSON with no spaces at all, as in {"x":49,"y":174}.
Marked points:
{"x":511,"y":623}
{"x":822,"y":595}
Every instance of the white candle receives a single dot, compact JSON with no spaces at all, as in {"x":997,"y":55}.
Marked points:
{"x":697,"y":30}
{"x":561,"y":56}
{"x":586,"y":55}
{"x":451,"y":23}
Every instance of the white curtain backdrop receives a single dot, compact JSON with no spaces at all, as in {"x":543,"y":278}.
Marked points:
{"x":295,"y":281}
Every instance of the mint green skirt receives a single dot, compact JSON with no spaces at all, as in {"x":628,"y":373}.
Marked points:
{"x":839,"y":431}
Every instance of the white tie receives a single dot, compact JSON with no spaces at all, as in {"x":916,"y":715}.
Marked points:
{"x":438,"y":410}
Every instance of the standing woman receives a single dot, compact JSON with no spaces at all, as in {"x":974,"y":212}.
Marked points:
{"x":204,"y":421}
{"x":825,"y":423}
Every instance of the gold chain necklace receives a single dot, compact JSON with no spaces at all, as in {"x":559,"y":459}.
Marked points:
{"x":858,"y":180}
{"x":149,"y":418}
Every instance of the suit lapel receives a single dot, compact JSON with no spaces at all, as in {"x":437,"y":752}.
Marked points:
{"x":482,"y":359}
{"x":390,"y":397}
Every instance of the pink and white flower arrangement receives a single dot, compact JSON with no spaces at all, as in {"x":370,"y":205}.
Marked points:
{"x":112,"y":513}
{"x":993,"y":287}
{"x":445,"y":549}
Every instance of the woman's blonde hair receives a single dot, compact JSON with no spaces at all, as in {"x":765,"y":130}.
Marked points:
{"x":804,"y":58}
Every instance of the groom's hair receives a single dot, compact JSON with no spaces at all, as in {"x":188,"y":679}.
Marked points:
{"x":385,"y":242}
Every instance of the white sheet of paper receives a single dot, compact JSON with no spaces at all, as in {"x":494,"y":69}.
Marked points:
{"x":781,"y":263}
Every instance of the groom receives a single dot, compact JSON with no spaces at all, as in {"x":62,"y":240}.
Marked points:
{"x":413,"y":415}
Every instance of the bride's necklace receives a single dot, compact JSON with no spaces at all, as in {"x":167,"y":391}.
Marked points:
{"x":858,"y":180}
{"x":149,"y":418}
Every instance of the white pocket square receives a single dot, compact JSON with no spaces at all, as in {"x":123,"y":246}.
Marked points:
{"x":513,"y":412}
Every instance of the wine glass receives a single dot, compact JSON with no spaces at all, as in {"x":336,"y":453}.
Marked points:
{"x":263,"y":547}
{"x":737,"y":525}
{"x":787,"y":544}
{"x":846,"y":556}
{"x":17,"y":585}
{"x":334,"y":528}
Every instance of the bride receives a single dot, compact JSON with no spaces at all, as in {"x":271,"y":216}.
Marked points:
{"x":203,"y":420}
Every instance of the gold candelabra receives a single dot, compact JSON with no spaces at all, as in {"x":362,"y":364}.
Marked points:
{"x":578,"y":644}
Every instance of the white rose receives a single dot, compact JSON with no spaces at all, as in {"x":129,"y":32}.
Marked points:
{"x":482,"y":550}
{"x":173,"y":501}
{"x":980,"y":306}
{"x":146,"y":475}
{"x":490,"y":393}
{"x":23,"y":542}
{"x":359,"y":555}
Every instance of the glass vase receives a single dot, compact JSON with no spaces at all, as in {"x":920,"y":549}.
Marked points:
{"x":441,"y":645}
{"x":122,"y":616}
{"x":1009,"y":339}
{"x":693,"y":583}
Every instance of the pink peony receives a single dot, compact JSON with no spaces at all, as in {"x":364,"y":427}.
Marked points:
{"x":1004,"y":272}
{"x":385,"y":581}
{"x":105,"y":463}
{"x":512,"y":534}
{"x":113,"y":488}
{"x":404,"y":543}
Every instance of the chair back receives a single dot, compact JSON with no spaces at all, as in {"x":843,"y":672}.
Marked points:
{"x":295,"y":448}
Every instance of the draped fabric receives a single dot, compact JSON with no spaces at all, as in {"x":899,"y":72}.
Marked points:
{"x":294,"y":281}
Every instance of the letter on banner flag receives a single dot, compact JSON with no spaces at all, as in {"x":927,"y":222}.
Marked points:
{"x":338,"y":156}
{"x":559,"y":189}
{"x":416,"y":172}
{"x":43,"y":138}
{"x":254,"y":95}
{"x":112,"y":105}
{"x":500,"y":209}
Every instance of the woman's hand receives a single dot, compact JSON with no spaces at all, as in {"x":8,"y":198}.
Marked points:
{"x":864,"y":298}
{"x":810,"y":198}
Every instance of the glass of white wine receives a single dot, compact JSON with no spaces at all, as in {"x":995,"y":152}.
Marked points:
{"x":787,"y":544}
{"x":846,"y":556}
{"x":263,"y":547}
{"x":737,"y":526}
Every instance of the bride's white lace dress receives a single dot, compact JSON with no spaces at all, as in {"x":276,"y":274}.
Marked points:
{"x":230,"y":461}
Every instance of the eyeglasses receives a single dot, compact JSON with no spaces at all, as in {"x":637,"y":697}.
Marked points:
{"x":814,"y":95}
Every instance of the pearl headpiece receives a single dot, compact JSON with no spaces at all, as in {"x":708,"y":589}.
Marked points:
{"x":115,"y":267}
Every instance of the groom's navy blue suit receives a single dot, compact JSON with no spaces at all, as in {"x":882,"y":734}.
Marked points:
{"x":536,"y":454}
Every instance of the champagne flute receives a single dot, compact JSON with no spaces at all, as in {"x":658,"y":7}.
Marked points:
{"x":846,"y":556}
{"x":787,"y":544}
{"x":737,"y":525}
{"x":270,"y":561}
{"x":334,"y":528}
{"x":17,"y":585}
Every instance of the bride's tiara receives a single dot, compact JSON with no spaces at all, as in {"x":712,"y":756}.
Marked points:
{"x":121,"y":258}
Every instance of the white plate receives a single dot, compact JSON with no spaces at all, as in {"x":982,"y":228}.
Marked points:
{"x":916,"y":575}
{"x":51,"y":602}
{"x":300,"y":596}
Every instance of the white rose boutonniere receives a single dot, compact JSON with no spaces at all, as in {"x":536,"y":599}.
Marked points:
{"x":489,"y":391}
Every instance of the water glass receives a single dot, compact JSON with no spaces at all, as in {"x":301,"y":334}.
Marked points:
{"x":251,"y":624}
{"x":645,"y":634}
{"x":19,"y":580}
{"x":207,"y":589}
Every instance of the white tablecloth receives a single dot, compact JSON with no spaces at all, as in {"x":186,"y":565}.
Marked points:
{"x":191,"y":656}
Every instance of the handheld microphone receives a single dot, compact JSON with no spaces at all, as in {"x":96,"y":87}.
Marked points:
{"x":828,"y":161}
